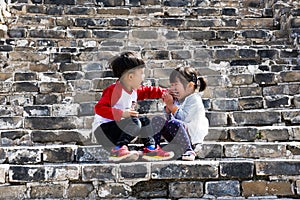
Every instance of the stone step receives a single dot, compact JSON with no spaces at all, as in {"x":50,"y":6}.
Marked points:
{"x":235,"y":179}
{"x":97,"y":154}
{"x":216,"y":133}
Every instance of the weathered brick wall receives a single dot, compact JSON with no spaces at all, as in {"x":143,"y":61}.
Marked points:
{"x":53,"y":68}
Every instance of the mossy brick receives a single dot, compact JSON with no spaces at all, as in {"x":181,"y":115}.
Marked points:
{"x":188,"y":189}
{"x":190,"y":170}
{"x":101,"y":172}
{"x":223,"y":188}
{"x":240,"y":134}
{"x":50,"y":123}
{"x":237,"y":170}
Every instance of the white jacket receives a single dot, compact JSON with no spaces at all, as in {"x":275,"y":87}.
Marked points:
{"x":192,"y":113}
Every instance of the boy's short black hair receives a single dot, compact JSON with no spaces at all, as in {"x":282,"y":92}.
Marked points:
{"x":124,"y":62}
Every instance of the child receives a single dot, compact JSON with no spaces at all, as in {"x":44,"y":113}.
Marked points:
{"x":116,"y":123}
{"x":187,"y":124}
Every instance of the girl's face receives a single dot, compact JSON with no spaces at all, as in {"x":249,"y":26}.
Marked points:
{"x":179,"y":90}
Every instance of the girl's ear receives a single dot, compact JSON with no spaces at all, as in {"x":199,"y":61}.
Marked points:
{"x":191,"y":84}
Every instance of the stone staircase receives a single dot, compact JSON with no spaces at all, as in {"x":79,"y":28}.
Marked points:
{"x":53,"y":68}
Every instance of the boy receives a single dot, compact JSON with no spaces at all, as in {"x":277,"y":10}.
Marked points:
{"x":116,"y":122}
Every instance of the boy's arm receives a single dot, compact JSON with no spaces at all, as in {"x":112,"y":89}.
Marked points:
{"x":104,"y":107}
{"x":150,"y":92}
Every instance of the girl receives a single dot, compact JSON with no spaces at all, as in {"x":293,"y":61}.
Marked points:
{"x":187,"y":124}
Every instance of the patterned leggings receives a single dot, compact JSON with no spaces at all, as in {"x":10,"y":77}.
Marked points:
{"x":173,"y":131}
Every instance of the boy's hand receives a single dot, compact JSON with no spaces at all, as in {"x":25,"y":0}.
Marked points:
{"x":130,"y":113}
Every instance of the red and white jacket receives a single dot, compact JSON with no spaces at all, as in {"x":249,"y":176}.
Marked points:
{"x":115,"y":98}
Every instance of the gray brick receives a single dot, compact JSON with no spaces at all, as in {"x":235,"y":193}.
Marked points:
{"x":106,"y":34}
{"x":58,"y":154}
{"x":225,"y":104}
{"x":223,"y":188}
{"x":225,"y":54}
{"x":255,"y":118}
{"x":144,"y":34}
{"x":62,"y":173}
{"x":291,"y":117}
{"x":15,"y":192}
{"x":47,"y":191}
{"x":198,"y":35}
{"x":79,"y":190}
{"x":50,"y":123}
{"x":274,"y":134}
{"x":49,"y":87}
{"x":136,"y":171}
{"x":277,"y":101}
{"x":47,"y":34}
{"x":233,"y":170}
{"x":181,"y":55}
{"x":243,"y":134}
{"x":195,"y":170}
{"x":26,"y":173}
{"x":290,"y":76}
{"x":26,"y":87}
{"x":247,"y":103}
{"x":254,"y":150}
{"x":101,"y":172}
{"x":191,"y":189}
{"x":217,"y":118}
{"x":277,"y":168}
{"x":255,"y":34}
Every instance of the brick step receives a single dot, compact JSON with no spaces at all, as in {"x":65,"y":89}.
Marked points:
{"x":96,"y":153}
{"x":235,"y":179}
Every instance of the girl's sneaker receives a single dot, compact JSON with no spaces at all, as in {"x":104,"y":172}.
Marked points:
{"x":123,"y":155}
{"x":189,"y":156}
{"x":157,"y":154}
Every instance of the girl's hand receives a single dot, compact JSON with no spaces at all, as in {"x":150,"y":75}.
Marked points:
{"x":130,"y":113}
{"x":167,"y":98}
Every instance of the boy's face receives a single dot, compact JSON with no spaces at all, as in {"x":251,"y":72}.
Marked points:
{"x":137,"y":77}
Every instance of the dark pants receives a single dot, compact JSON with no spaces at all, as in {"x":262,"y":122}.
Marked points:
{"x":124,"y":131}
{"x":174,"y":131}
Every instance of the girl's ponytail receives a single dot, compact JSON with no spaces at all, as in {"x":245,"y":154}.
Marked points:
{"x":202,"y":84}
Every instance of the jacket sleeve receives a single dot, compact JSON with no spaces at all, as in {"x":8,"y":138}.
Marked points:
{"x":149,"y":92}
{"x":104,"y":107}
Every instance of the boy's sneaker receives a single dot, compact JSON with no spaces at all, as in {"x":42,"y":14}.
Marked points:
{"x":123,"y":155}
{"x":157,"y":155}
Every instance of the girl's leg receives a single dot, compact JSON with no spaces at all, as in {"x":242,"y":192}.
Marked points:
{"x":177,"y":136}
{"x":158,"y":125}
